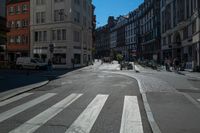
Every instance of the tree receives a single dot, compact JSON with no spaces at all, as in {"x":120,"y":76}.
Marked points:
{"x":119,"y":57}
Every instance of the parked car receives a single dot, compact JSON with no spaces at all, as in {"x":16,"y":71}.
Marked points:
{"x":30,"y":63}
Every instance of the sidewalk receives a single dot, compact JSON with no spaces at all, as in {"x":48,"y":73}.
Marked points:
{"x":168,"y":110}
{"x":14,"y":82}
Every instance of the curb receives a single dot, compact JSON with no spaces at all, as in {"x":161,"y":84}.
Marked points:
{"x":154,"y":126}
{"x":8,"y":94}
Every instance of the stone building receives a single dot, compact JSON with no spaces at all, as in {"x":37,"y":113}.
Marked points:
{"x":149,"y":32}
{"x":65,"y":27}
{"x":18,"y":18}
{"x":131,"y":35}
{"x":102,"y":34}
{"x":180,"y":28}
{"x":117,"y":37}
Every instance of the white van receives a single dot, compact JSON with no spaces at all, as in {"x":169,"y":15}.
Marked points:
{"x":30,"y":63}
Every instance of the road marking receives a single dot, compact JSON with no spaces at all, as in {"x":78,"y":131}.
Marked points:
{"x":131,"y":119}
{"x":63,"y":83}
{"x":8,"y":101}
{"x":198,"y":100}
{"x":85,"y":121}
{"x":33,"y":124}
{"x":23,"y":107}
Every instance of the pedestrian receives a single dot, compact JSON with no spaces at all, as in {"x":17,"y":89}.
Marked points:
{"x":176,"y":64}
{"x":49,"y":65}
{"x":167,"y":64}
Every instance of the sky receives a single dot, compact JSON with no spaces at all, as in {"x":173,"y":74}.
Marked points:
{"x":105,"y":8}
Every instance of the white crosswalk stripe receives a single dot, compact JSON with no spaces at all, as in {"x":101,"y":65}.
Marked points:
{"x":130,"y":121}
{"x":34,"y":123}
{"x":16,"y":98}
{"x":131,"y":118}
{"x":85,"y":121}
{"x":12,"y":112}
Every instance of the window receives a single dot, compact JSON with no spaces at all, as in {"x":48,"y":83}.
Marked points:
{"x":76,"y":17}
{"x":40,"y":17}
{"x":40,"y":36}
{"x":77,"y":59}
{"x":53,"y":34}
{"x":44,"y":35}
{"x":40,"y":2}
{"x":76,"y":36}
{"x":59,"y":34}
{"x":24,"y":8}
{"x":59,"y":59}
{"x":24,"y":23}
{"x":63,"y":34}
{"x":59,"y":15}
{"x":18,"y":39}
{"x":17,"y":9}
{"x":18,"y":24}
{"x":43,"y":17}
{"x":11,"y":10}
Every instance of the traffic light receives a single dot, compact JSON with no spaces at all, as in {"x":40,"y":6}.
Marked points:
{"x":51,"y":47}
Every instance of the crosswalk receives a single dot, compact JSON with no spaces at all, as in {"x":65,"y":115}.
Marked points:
{"x":131,"y":121}
{"x":198,"y":100}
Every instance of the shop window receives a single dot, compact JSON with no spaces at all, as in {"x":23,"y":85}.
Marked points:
{"x":59,"y":59}
{"x":77,"y":58}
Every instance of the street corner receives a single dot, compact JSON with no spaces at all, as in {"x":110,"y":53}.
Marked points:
{"x":16,"y":91}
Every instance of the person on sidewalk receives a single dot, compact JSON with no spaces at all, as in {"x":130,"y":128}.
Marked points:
{"x":167,"y":64}
{"x":176,"y":64}
{"x":49,"y":65}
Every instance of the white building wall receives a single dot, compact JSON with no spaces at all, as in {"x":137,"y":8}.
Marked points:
{"x":66,"y":47}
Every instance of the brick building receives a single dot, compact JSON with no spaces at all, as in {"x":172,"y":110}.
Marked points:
{"x":18,"y":17}
{"x":3,"y":29}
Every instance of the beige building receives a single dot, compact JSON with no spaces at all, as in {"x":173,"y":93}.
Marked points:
{"x":180,"y":28}
{"x":65,"y":24}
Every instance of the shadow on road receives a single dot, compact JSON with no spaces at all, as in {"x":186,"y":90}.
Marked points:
{"x":11,"y":79}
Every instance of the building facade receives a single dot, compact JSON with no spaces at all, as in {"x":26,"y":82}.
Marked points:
{"x":3,"y":30}
{"x":18,"y":18}
{"x":137,"y":35}
{"x":65,"y":24}
{"x":180,"y":27}
{"x":131,"y":35}
{"x":149,"y":32}
{"x":103,"y":39}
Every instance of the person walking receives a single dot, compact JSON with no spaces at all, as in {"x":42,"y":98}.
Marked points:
{"x":49,"y":65}
{"x":176,"y":64}
{"x":167,"y":64}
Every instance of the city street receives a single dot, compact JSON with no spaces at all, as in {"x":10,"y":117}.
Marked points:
{"x":79,"y":102}
{"x":101,"y":98}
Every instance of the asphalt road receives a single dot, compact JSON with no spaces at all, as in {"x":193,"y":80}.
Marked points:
{"x":79,"y":102}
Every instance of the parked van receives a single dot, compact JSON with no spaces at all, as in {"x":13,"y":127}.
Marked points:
{"x":30,"y":63}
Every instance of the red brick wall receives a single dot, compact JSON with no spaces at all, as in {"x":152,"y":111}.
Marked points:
{"x":19,"y":31}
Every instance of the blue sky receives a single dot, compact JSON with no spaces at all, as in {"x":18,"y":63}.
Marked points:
{"x":105,"y":8}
